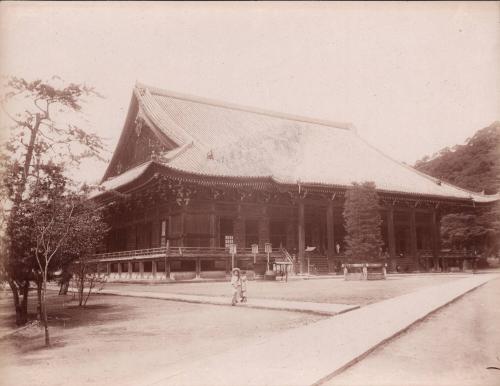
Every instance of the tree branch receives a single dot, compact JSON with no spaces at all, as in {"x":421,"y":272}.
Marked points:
{"x":18,"y":122}
{"x":64,"y":235}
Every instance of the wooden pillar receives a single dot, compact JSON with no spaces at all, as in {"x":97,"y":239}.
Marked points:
{"x":301,"y":237}
{"x":153,"y":269}
{"x":119,"y":270}
{"x":167,"y":267}
{"x":141,"y":269}
{"x":435,"y":236}
{"x":330,"y":234}
{"x":391,"y":234}
{"x":183,"y":226}
{"x":413,"y":234}
{"x":129,"y":269}
{"x":239,"y":229}
{"x":198,"y":268}
{"x":264,"y":230}
{"x":213,"y":228}
{"x":434,"y":233}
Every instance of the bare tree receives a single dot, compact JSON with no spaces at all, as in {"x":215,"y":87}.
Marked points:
{"x":86,"y":277}
{"x":51,"y":229}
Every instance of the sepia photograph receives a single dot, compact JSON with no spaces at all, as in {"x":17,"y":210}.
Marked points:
{"x":249,"y":193}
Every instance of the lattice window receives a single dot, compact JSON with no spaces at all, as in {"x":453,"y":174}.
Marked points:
{"x":228,"y":240}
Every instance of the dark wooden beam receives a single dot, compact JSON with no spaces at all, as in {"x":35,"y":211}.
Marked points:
{"x":301,"y":235}
{"x":391,"y":235}
{"x":330,"y":235}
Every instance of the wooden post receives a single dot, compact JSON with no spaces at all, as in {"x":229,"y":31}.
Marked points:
{"x":183,"y":225}
{"x":213,"y":228}
{"x":263,"y":228}
{"x":167,"y":259}
{"x":167,"y":268}
{"x":232,"y":251}
{"x":301,"y":236}
{"x":391,"y":232}
{"x":153,"y":269}
{"x":330,"y":235}
{"x":436,"y":236}
{"x":413,"y":234}
{"x":434,"y":233}
{"x":129,"y":269}
{"x":198,"y":268}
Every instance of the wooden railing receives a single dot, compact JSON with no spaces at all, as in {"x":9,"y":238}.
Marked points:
{"x":179,"y":252}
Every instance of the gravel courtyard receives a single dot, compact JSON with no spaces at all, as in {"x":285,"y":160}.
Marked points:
{"x":324,"y":290}
{"x":117,"y":337}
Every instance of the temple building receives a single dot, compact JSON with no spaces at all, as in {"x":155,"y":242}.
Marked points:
{"x":194,"y":184}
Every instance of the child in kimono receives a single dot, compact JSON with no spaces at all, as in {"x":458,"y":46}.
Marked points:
{"x":243,"y":286}
{"x":236,"y":285}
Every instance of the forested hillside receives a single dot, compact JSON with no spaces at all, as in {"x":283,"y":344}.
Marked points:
{"x":474,"y":165}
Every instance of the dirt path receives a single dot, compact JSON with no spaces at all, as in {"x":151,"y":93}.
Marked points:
{"x":451,"y":347}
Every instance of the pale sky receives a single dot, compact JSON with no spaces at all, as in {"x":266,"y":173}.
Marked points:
{"x":411,"y":77}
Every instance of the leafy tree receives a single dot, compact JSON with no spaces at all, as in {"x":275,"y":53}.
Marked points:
{"x":362,"y":223}
{"x":473,"y":231}
{"x":86,"y":236}
{"x":45,"y":136}
{"x":53,"y":228}
{"x":462,"y":230}
{"x":51,"y":214}
{"x":474,"y":165}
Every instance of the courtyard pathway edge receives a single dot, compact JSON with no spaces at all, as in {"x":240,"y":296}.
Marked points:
{"x":328,"y":309}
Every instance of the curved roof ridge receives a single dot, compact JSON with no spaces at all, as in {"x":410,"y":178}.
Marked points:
{"x":255,"y":110}
{"x":145,"y":100}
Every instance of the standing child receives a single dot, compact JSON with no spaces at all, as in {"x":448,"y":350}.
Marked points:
{"x":236,"y":284}
{"x":243,"y":286}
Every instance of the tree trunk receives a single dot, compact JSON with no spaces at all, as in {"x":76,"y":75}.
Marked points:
{"x":91,"y":285}
{"x":63,"y":290}
{"x":44,"y":309}
{"x":80,"y":289}
{"x":21,"y":307}
{"x":24,"y":302}
{"x":81,"y":284}
{"x":39,"y":295}
{"x":20,"y":297}
{"x":17,"y":304}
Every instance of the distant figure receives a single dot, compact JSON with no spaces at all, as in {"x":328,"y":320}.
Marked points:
{"x":337,"y":248}
{"x":236,"y":284}
{"x":243,"y":286}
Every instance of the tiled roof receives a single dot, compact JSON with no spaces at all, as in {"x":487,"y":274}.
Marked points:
{"x":219,"y":139}
{"x":121,"y":179}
